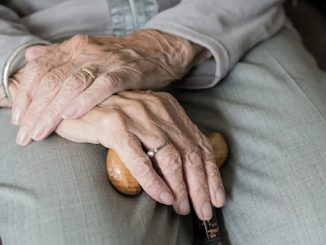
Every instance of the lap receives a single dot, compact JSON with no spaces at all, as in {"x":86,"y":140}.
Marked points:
{"x":272,"y":109}
{"x":57,"y":192}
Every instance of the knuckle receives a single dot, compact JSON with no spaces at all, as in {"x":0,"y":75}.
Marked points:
{"x":109,"y":82}
{"x":23,"y":96}
{"x":116,"y":116}
{"x":76,"y":81}
{"x":192,"y":157}
{"x":115,"y":119}
{"x":56,"y":74}
{"x":34,"y":65}
{"x":209,"y":155}
{"x":52,"y":112}
{"x":49,"y":85}
{"x":52,"y":81}
{"x":164,"y":95}
{"x":167,"y":97}
{"x":171,"y":160}
{"x":38,"y":65}
{"x":199,"y":192}
{"x":157,"y":101}
{"x":130,"y":53}
{"x":212,"y":170}
{"x":155,"y":97}
{"x":79,"y":39}
{"x":138,"y":106}
{"x":172,"y":167}
{"x":88,"y":97}
{"x":204,"y":142}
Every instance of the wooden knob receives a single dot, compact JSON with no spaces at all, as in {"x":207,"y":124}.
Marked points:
{"x":220,"y":148}
{"x":125,"y":183}
{"x":120,"y":177}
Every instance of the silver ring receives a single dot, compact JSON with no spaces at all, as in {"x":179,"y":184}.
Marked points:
{"x":152,"y":152}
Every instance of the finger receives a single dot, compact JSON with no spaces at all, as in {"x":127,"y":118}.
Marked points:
{"x":193,"y":167}
{"x":169,"y":161}
{"x":34,"y":71}
{"x":81,"y":130}
{"x":47,"y":90}
{"x":196,"y":181}
{"x":36,"y":51}
{"x":214,"y":179}
{"x":102,"y":88}
{"x":13,"y":87}
{"x":51,"y":116}
{"x":129,"y":148}
{"x":4,"y":102}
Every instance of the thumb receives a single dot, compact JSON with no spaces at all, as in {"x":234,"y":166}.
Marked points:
{"x":36,"y":51}
{"x":83,"y":130}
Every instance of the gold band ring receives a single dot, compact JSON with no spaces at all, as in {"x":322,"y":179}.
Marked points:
{"x":88,"y":72}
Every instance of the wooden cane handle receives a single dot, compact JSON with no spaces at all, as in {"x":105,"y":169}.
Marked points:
{"x":125,"y":183}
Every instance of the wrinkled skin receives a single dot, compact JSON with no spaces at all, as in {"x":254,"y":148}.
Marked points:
{"x":131,"y":120}
{"x":55,"y":87}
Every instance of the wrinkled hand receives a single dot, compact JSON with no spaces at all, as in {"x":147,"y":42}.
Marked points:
{"x":130,"y":121}
{"x":67,"y":80}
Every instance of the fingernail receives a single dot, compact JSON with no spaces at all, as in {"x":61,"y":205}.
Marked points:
{"x":166,"y":198}
{"x":23,"y":136}
{"x":207,"y":211}
{"x":38,"y":131}
{"x":184,"y":207}
{"x":15,"y":118}
{"x":69,"y":112}
{"x":220,"y":197}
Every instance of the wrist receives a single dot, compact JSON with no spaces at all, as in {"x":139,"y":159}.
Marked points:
{"x":179,"y":53}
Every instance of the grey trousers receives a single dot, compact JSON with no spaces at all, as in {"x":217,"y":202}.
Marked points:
{"x":272,"y":110}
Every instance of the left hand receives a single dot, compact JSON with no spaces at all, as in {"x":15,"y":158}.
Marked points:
{"x":73,"y":77}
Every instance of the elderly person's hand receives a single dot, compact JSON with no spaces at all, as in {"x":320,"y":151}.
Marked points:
{"x":67,"y":80}
{"x":133,"y":122}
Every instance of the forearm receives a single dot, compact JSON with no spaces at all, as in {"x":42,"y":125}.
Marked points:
{"x":226,"y":28}
{"x":178,"y":54}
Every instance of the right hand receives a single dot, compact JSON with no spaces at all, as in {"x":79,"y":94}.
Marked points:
{"x":131,"y":121}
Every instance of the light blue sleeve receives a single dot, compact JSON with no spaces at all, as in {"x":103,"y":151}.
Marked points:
{"x":228,"y":28}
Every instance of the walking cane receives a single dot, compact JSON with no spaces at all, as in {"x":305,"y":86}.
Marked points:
{"x":125,"y":183}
